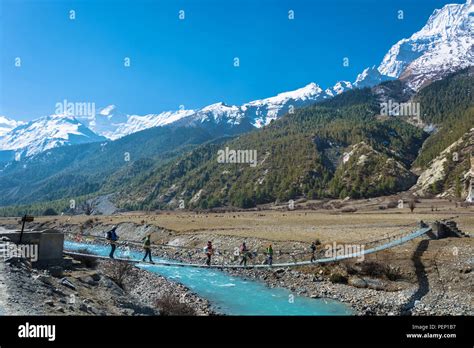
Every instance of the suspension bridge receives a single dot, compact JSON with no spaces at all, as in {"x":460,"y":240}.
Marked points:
{"x":370,"y":246}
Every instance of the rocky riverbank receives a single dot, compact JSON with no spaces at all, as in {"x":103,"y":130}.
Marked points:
{"x":370,"y":298}
{"x":367,"y":295}
{"x":88,"y":287}
{"x":405,"y":281}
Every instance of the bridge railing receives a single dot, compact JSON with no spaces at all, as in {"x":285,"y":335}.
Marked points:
{"x":230,"y":258}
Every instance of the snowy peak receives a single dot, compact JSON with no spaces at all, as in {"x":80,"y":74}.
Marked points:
{"x":107,"y":111}
{"x":370,"y":77}
{"x":113,"y":124}
{"x":257,"y":113}
{"x":219,"y":113}
{"x":136,"y":123}
{"x":447,"y":22}
{"x":46,"y":133}
{"x":105,"y":122}
{"x":308,"y":92}
{"x":6,"y":125}
{"x":443,"y":45}
{"x":342,"y":86}
{"x":220,"y":107}
{"x":261,"y":112}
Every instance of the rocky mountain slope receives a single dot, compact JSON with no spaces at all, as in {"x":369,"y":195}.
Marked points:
{"x":448,"y":175}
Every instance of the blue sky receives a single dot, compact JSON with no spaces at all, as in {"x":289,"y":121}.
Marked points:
{"x":188,"y":62}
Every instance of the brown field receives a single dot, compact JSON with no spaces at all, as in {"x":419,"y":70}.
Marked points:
{"x":368,"y":222}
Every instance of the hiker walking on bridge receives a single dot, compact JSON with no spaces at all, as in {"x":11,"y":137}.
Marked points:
{"x":112,"y":237}
{"x":209,"y":251}
{"x":313,"y":251}
{"x":147,"y":247}
{"x":244,"y":251}
{"x":269,"y":253}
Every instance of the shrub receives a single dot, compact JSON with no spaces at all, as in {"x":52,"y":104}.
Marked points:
{"x":372,"y":269}
{"x":122,"y":273}
{"x":169,"y":305}
{"x":392,"y":204}
{"x":377,"y":270}
{"x":88,"y":223}
{"x":338,"y":278}
{"x":89,"y":262}
{"x":393,"y":273}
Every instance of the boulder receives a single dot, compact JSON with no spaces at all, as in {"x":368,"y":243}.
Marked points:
{"x":45,"y":279}
{"x":89,"y":280}
{"x":357,"y":282}
{"x":56,"y":271}
{"x":375,"y":284}
{"x":67,"y":284}
{"x":95,"y":276}
{"x":49,"y":303}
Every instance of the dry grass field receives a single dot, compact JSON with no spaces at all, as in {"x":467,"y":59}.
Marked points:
{"x":368,"y":222}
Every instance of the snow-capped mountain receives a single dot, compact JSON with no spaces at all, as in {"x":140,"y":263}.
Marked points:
{"x":218,"y":113}
{"x":442,"y":46}
{"x":105,"y":122}
{"x":109,"y":122}
{"x":6,"y":125}
{"x":262,"y":112}
{"x":113,"y":124}
{"x":257,"y":113}
{"x":136,"y":123}
{"x":340,"y":87}
{"x":370,"y":77}
{"x":46,"y":133}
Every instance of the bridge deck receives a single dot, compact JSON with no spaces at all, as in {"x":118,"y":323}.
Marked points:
{"x":384,"y":246}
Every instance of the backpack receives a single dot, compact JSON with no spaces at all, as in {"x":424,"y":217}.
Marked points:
{"x":111,"y":235}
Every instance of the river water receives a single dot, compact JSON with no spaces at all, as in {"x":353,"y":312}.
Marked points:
{"x":229,"y":294}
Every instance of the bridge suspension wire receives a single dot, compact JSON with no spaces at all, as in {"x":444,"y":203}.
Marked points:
{"x":403,"y":238}
{"x":291,"y":252}
{"x":125,"y":242}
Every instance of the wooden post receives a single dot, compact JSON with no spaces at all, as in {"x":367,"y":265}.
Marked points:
{"x":24,"y":219}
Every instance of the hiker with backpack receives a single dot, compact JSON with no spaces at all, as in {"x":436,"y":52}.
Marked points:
{"x":244,"y":251}
{"x":112,"y":237}
{"x":147,"y":247}
{"x":209,"y":251}
{"x":269,"y":253}
{"x":313,"y":249}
